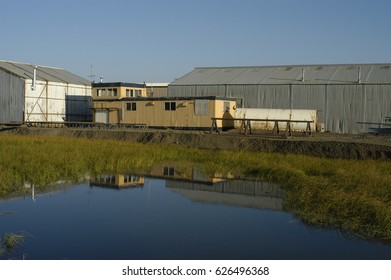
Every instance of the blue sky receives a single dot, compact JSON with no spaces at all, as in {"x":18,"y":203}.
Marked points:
{"x":158,"y":41}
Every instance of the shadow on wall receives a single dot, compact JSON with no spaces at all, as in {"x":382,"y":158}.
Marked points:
{"x":78,"y":108}
{"x":378,"y":128}
{"x":382,"y":130}
{"x":228,"y":122}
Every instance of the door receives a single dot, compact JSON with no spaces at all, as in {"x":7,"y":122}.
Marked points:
{"x":102,"y":116}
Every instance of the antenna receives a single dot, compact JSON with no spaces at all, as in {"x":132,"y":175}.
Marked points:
{"x":91,"y":76}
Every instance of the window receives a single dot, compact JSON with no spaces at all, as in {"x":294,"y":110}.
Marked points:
{"x":131,"y":106}
{"x":168,"y":171}
{"x":169,"y":106}
{"x":129,"y":93}
{"x":112,"y":92}
{"x":138,"y":92}
{"x":201,"y":107}
{"x":226,"y":106}
{"x":101,"y":92}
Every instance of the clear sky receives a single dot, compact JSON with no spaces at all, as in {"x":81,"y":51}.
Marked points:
{"x":158,"y":41}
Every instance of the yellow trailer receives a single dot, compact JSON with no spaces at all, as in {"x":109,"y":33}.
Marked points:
{"x":165,"y":112}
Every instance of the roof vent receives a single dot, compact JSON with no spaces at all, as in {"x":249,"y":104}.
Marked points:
{"x":302,"y":75}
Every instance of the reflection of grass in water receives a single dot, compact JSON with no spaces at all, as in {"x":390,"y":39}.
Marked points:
{"x":353,"y":195}
{"x":11,"y":242}
{"x":6,"y":212}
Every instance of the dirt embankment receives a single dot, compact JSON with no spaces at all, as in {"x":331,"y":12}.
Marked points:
{"x":363,"y":146}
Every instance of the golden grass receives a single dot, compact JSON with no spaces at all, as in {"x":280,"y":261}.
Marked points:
{"x":352,"y":195}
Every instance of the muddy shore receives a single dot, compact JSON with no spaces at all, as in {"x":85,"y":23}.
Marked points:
{"x":348,"y":146}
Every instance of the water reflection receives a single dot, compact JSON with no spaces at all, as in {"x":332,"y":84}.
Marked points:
{"x":33,"y":191}
{"x":239,"y":193}
{"x":117,"y":181}
{"x":201,"y":187}
{"x":170,"y":212}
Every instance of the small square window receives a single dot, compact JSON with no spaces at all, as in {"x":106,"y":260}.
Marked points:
{"x":168,"y":171}
{"x":169,"y":106}
{"x":132,"y":106}
{"x":101,"y":92}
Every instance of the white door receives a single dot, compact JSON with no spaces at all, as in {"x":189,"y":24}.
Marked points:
{"x":102,"y":116}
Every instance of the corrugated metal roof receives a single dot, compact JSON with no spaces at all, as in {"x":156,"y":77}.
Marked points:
{"x":290,"y":74}
{"x":44,"y":73}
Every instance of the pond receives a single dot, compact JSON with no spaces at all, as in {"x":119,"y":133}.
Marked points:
{"x":127,"y":216}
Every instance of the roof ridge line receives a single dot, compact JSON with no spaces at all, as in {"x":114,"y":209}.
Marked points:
{"x":290,"y":65}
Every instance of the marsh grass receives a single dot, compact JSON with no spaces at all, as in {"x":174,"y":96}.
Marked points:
{"x":11,"y":242}
{"x":351,"y":195}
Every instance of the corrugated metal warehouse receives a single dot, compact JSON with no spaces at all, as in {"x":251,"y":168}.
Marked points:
{"x":352,"y":98}
{"x":54,"y":95}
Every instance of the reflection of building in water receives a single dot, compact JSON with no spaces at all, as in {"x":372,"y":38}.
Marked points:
{"x":190,"y":182}
{"x":188,"y":174}
{"x":117,"y":180}
{"x":33,"y":191}
{"x":252,"y":194}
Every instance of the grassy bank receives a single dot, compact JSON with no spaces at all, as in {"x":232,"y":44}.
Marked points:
{"x":352,"y":195}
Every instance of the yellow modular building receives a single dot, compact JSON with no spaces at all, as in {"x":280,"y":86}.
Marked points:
{"x":117,"y":180}
{"x":117,"y":90}
{"x":112,"y":104}
{"x":157,"y":89}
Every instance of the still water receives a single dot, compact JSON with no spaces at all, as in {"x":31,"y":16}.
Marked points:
{"x":135,"y":217}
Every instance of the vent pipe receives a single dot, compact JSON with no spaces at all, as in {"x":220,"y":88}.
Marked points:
{"x":302,"y":74}
{"x":101,"y":79}
{"x":359,"y":75}
{"x":34,"y":83}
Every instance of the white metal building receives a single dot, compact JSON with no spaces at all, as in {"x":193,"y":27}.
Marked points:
{"x":30,"y":93}
{"x":350,"y":98}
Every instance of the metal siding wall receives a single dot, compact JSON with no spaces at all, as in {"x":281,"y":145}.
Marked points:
{"x":182,"y":91}
{"x":261,"y":96}
{"x":248,"y":94}
{"x":349,"y":108}
{"x":377,"y":105}
{"x":211,"y":90}
{"x":58,"y":102}
{"x":11,"y":98}
{"x":35,"y":105}
{"x":309,"y":97}
{"x":276,"y":96}
{"x":344,"y":108}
